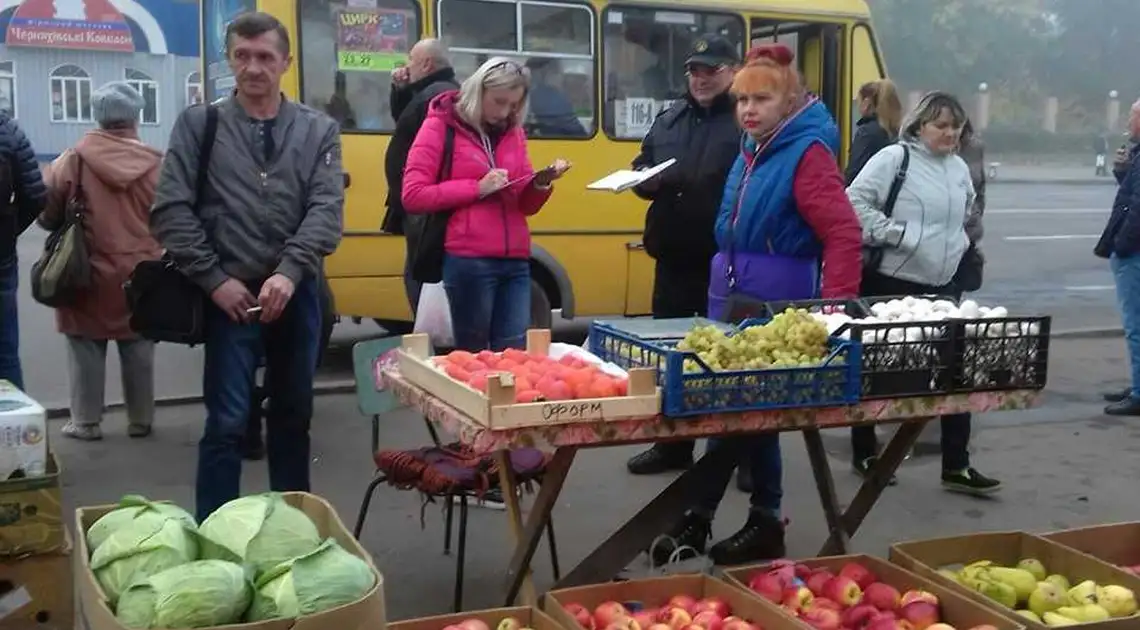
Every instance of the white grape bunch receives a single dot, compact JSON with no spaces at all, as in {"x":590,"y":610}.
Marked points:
{"x":791,"y":339}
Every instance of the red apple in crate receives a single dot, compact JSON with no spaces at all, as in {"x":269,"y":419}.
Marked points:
{"x":659,"y":626}
{"x":858,"y":616}
{"x":693,"y":626}
{"x":735,"y":623}
{"x":984,"y":626}
{"x":580,"y":614}
{"x":816,"y":580}
{"x":842,"y":590}
{"x":674,"y":616}
{"x":473,"y":624}
{"x":682,"y":601}
{"x":918,"y":596}
{"x":822,"y":619}
{"x":608,"y":612}
{"x":768,"y":585}
{"x":646,"y":617}
{"x":803,"y":571}
{"x":708,"y":619}
{"x":943,"y":626}
{"x":714,"y":604}
{"x":882,"y":596}
{"x":920,"y":614}
{"x":860,"y":574}
{"x":823,"y":602}
{"x":622,"y":623}
{"x":797,"y":598}
{"x":509,"y":623}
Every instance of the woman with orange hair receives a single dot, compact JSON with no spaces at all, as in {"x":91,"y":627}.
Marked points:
{"x":784,"y":216}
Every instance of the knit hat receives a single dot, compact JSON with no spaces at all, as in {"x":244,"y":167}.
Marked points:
{"x":116,"y":102}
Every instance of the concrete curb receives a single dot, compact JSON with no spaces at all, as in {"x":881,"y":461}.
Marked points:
{"x":1088,"y":333}
{"x":1059,"y":181}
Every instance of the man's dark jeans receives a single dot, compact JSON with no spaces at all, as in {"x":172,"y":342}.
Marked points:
{"x":767,"y":472}
{"x":233,"y":351}
{"x":9,"y":323}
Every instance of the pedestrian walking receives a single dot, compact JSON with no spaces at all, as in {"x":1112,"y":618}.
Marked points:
{"x":271,"y":210}
{"x":114,"y":174}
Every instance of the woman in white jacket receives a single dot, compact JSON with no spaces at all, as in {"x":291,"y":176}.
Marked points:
{"x":920,"y":245}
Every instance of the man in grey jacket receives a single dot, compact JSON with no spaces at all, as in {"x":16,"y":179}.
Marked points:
{"x":271,"y":210}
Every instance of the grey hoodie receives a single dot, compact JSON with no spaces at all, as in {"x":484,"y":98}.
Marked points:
{"x":924,"y":239}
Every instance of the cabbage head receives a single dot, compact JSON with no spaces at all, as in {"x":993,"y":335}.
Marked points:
{"x":260,"y":531}
{"x":140,"y":549}
{"x":131,"y":508}
{"x":199,"y":594}
{"x":324,"y":578}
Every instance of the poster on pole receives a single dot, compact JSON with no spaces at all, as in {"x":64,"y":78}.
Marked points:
{"x":372,"y":40}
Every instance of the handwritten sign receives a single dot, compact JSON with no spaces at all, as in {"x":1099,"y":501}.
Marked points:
{"x":572,"y":410}
{"x":372,"y":40}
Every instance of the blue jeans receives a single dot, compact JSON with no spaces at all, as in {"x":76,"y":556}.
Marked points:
{"x":490,"y":301}
{"x":10,"y":323}
{"x":233,"y":352}
{"x":1126,"y":271}
{"x":767,"y":471}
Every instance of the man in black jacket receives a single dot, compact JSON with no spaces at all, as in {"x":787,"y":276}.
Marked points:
{"x":23,"y":194}
{"x":427,"y":75}
{"x":700,"y":132}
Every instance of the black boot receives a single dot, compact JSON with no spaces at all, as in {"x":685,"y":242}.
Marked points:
{"x":662,"y":458}
{"x":761,"y":539}
{"x":1127,"y":407}
{"x":693,"y":530}
{"x":1118,"y":395}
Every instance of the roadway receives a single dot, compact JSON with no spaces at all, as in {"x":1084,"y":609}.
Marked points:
{"x":1038,"y":243}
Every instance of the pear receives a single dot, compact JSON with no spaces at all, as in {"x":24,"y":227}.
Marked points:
{"x":1021,"y":580}
{"x":1030,"y":615}
{"x":1083,"y":593}
{"x":1053,"y":620}
{"x":997,"y":591}
{"x":1034,"y":566}
{"x":1086,"y":613}
{"x":1047,"y":598}
{"x":1061,"y":581}
{"x":1117,"y":600}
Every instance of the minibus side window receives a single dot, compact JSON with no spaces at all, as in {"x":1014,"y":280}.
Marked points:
{"x":643,"y":61}
{"x":555,"y":40}
{"x":347,"y":52}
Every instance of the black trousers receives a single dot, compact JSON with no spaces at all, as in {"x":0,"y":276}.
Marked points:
{"x":680,"y":290}
{"x":955,"y":428}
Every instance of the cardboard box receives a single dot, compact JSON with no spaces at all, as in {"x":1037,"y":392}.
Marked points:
{"x":31,"y":514}
{"x":1116,"y":543}
{"x":36,"y":592}
{"x":529,"y":617}
{"x":656,"y":591}
{"x":925,"y":557}
{"x":364,"y":614}
{"x":957,"y":610}
{"x":23,"y":433}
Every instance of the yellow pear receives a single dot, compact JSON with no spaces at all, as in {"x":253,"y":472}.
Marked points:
{"x":997,"y":591}
{"x":1046,"y":598}
{"x":1086,"y":613}
{"x":1021,"y":580}
{"x":1053,"y":620}
{"x":1030,"y":615}
{"x":1034,"y":566}
{"x":1117,"y":600}
{"x":1061,"y":581}
{"x":1083,"y":593}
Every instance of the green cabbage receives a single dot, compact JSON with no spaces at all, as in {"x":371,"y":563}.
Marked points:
{"x":324,"y":578}
{"x":200,"y":594}
{"x":133,"y":507}
{"x":140,"y":549}
{"x":260,"y":531}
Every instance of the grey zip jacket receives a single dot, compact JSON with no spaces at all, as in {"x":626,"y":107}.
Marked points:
{"x":257,"y":217}
{"x":925,"y":238}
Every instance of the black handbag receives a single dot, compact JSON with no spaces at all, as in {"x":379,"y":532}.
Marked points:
{"x":426,"y":236}
{"x":968,"y":277}
{"x":166,"y":305}
{"x":873,"y":256}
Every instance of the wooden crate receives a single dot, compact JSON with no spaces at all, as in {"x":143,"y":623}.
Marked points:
{"x":497,"y":410}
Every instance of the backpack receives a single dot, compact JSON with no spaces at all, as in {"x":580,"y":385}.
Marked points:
{"x":426,"y":238}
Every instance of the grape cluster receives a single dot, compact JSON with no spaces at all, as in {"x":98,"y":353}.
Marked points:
{"x":792,"y":339}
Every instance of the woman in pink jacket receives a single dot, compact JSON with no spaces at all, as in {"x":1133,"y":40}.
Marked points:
{"x":492,"y":189}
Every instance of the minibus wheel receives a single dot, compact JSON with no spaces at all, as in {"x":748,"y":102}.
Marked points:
{"x":540,"y":306}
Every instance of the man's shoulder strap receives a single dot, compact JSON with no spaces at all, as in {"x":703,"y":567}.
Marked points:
{"x":209,"y":134}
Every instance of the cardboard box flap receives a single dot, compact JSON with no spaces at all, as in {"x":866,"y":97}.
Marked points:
{"x":1114,"y":543}
{"x":530,"y":618}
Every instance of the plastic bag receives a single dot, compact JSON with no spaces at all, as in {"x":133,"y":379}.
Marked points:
{"x":433,"y":317}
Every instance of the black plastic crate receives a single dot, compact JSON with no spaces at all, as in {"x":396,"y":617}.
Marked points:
{"x":772,"y":308}
{"x":1001,"y":354}
{"x":905,"y":359}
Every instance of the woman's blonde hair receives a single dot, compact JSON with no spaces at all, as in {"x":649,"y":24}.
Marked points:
{"x":886,"y":104}
{"x":929,"y":109}
{"x":495,"y":73}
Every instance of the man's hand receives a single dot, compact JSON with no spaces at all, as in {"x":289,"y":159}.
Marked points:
{"x":401,"y":76}
{"x":1120,"y":161}
{"x":275,"y":295}
{"x":234,"y":299}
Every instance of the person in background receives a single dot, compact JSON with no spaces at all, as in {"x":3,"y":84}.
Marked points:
{"x":118,"y":174}
{"x":923,"y":244}
{"x":551,"y":110}
{"x":427,"y":75}
{"x":972,"y":150}
{"x":880,"y":114}
{"x":700,"y":132}
{"x":22,"y":196}
{"x":261,"y":269}
{"x":783,"y":216}
{"x":1120,"y":243}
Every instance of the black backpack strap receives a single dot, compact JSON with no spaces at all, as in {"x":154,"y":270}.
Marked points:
{"x":207,"y":148}
{"x":445,"y":159}
{"x":897,"y":183}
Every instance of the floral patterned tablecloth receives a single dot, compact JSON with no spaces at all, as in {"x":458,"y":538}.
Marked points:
{"x":657,"y":428}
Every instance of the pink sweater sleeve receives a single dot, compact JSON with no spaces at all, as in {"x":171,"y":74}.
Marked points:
{"x":422,"y":193}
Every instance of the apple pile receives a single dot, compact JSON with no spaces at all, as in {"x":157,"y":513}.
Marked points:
{"x":681,"y":612}
{"x":507,"y":623}
{"x":854,"y":599}
{"x":537,"y":377}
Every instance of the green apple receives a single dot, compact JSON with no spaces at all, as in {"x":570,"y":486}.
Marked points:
{"x":1061,"y":581}
{"x":1046,"y":598}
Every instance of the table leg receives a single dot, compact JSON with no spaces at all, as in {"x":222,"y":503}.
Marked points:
{"x":889,"y":461}
{"x":825,"y":485}
{"x":615,"y":554}
{"x":528,"y":537}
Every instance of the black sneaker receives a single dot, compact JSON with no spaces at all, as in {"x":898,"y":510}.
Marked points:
{"x":661,"y":458}
{"x":1118,"y":395}
{"x":692,"y":531}
{"x":761,"y":539}
{"x":1127,"y":407}
{"x":864,"y":466}
{"x":969,"y":481}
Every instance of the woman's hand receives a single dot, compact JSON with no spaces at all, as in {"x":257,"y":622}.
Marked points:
{"x":548,"y":175}
{"x":494,"y":180}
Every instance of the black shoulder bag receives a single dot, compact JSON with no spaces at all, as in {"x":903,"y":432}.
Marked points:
{"x":873,"y":256}
{"x":63,"y":271}
{"x":427,"y":241}
{"x":166,"y":305}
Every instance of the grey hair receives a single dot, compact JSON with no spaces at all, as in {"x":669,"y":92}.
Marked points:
{"x":495,"y":73}
{"x":436,"y":51}
{"x":928,"y":109}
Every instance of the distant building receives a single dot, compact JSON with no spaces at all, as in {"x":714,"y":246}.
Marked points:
{"x":55,"y":53}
